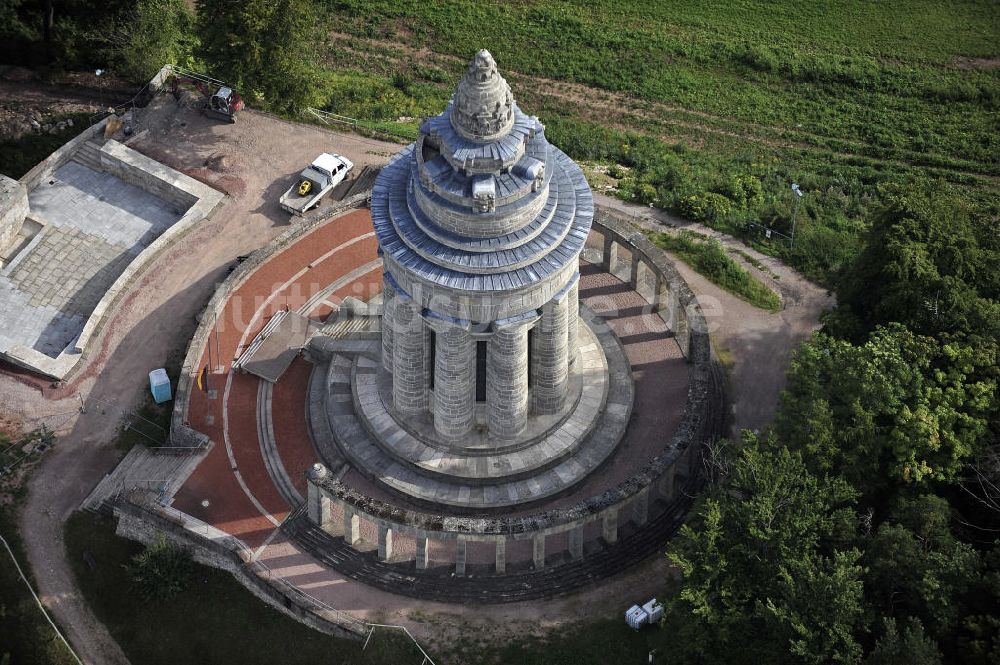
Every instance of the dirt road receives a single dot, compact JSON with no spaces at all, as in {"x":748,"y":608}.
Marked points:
{"x":252,"y":161}
{"x":755,"y":345}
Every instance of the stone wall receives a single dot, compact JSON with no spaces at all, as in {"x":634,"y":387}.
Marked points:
{"x":13,"y":210}
{"x":146,"y":522}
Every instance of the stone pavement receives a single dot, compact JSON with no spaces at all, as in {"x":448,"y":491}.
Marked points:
{"x":95,"y":224}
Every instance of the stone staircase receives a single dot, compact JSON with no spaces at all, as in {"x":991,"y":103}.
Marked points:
{"x":89,"y":154}
{"x":481,"y":585}
{"x":159,"y":470}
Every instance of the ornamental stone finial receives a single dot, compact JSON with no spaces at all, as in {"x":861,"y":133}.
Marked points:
{"x":317,"y":472}
{"x":483,"y":109}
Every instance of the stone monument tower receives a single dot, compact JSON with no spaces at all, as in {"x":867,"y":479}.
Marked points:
{"x":480,"y":224}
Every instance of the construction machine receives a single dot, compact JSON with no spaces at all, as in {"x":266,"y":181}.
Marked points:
{"x":220,"y":101}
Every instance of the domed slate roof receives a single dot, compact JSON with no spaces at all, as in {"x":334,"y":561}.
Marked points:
{"x":481,"y":202}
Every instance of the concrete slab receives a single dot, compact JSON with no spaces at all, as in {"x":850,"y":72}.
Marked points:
{"x":94,"y":226}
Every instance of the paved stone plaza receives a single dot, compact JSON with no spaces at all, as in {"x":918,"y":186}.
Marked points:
{"x":94,"y":224}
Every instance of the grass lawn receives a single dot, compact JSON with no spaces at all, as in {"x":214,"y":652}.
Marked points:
{"x":26,"y":638}
{"x":215,"y":621}
{"x":708,"y":257}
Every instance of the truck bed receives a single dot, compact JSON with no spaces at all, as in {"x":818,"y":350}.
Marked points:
{"x":292,"y":202}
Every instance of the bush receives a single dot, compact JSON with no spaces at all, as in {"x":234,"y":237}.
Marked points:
{"x":708,"y":207}
{"x":162,"y":571}
{"x":709,"y":258}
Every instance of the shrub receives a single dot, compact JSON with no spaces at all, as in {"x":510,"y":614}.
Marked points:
{"x":708,"y":207}
{"x":162,"y":571}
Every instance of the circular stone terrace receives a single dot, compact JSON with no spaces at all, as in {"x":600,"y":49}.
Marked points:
{"x":280,"y":463}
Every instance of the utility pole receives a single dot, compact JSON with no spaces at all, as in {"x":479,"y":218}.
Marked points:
{"x":798,"y":198}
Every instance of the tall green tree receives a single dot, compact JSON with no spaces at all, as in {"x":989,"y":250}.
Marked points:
{"x":911,"y":647}
{"x":929,"y":262}
{"x":899,"y":409}
{"x":916,"y":567}
{"x":264,"y":48}
{"x":151,"y":34}
{"x":767,"y":575}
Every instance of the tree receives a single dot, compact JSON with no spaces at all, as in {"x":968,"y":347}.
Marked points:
{"x":912,"y":647}
{"x":161,"y":571}
{"x":900,"y":408}
{"x":916,"y":567}
{"x":928,"y":263}
{"x":263,"y":48}
{"x":150,"y":35}
{"x":767,"y":576}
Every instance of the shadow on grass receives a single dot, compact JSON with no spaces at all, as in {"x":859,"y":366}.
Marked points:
{"x":215,"y":621}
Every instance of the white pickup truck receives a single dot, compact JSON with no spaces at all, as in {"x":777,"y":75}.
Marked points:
{"x":315,"y":182}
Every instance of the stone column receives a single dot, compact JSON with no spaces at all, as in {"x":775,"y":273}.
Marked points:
{"x":549,"y":361}
{"x":610,"y":255}
{"x":409,"y":364}
{"x":460,"y":556}
{"x":667,"y":484}
{"x":572,"y":321}
{"x":640,"y":507}
{"x":507,"y":381}
{"x":633,"y":275}
{"x":454,"y":381}
{"x":609,"y":526}
{"x":501,"y":555}
{"x":538,"y":551}
{"x":388,"y":304}
{"x":352,"y":526}
{"x":318,"y":505}
{"x":384,"y":542}
{"x":422,"y":558}
{"x":576,"y":542}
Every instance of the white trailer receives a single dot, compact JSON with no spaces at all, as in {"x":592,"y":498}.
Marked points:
{"x":315,"y":182}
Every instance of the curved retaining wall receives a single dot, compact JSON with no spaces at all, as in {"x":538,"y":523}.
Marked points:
{"x":631,"y":500}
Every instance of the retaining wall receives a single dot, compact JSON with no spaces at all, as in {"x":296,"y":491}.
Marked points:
{"x":145,"y":521}
{"x":13,"y":210}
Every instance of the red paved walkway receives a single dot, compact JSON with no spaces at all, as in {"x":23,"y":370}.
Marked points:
{"x":288,"y":279}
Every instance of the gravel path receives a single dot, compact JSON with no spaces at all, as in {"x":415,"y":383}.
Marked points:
{"x":755,"y":345}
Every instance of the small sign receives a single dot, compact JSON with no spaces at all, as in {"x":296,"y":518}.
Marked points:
{"x":767,"y":234}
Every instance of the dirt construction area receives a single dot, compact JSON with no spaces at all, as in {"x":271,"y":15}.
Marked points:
{"x":253,"y":162}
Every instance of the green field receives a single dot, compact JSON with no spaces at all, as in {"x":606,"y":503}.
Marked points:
{"x":839,"y":96}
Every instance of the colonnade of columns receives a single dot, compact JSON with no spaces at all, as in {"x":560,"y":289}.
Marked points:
{"x":513,"y":389}
{"x":321,"y":510}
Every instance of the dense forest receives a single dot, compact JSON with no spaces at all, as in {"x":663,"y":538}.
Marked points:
{"x":863,"y":526}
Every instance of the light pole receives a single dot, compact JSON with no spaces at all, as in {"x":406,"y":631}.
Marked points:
{"x":798,"y":197}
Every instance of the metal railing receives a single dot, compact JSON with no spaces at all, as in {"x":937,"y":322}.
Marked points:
{"x":328,"y":118}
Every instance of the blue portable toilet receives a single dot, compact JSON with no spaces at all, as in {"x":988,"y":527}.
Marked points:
{"x":159,"y":385}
